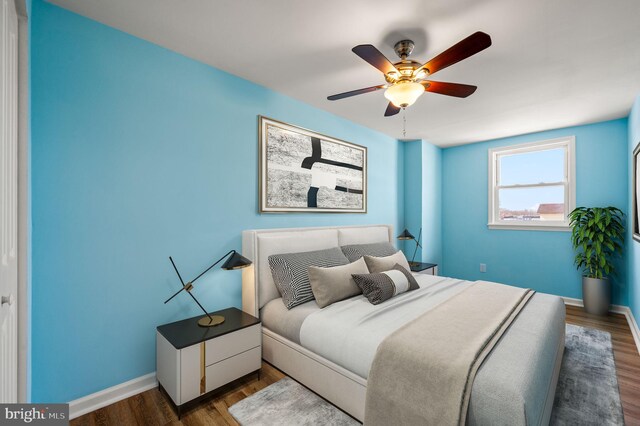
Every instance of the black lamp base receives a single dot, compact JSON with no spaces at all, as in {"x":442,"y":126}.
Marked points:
{"x":211,"y":322}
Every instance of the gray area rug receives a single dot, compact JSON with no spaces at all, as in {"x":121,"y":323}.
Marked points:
{"x":288,"y":403}
{"x":587,"y":392}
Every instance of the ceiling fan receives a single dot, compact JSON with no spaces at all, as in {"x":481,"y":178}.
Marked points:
{"x":406,"y":79}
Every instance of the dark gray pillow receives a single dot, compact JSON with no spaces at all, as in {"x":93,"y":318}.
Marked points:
{"x":356,"y":251}
{"x":382,"y":286}
{"x":291,"y":272}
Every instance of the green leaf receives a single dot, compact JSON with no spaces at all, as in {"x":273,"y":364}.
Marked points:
{"x":597,"y":236}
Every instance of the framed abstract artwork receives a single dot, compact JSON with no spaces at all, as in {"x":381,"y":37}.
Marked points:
{"x":636,"y":193}
{"x":303,"y":171}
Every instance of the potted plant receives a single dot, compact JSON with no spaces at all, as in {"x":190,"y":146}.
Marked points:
{"x":597,"y":236}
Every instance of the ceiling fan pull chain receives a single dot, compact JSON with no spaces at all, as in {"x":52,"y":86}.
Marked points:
{"x":404,"y":123}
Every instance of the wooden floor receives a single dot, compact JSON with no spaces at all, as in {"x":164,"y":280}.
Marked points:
{"x":152,"y":408}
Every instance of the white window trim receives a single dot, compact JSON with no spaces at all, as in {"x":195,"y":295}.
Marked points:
{"x":569,"y":142}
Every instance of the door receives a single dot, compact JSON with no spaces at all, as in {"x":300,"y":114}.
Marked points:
{"x":8,"y":201}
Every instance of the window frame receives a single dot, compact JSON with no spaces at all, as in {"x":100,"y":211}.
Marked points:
{"x":569,"y":182}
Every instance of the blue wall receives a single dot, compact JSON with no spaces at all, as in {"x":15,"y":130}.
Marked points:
{"x":542,"y":260}
{"x":633,"y":247}
{"x":431,"y":203}
{"x":139,"y":153}
{"x":423,"y":199}
{"x":412,"y":169}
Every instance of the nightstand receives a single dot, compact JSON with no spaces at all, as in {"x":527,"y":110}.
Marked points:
{"x":424,"y":268}
{"x":193,"y":361}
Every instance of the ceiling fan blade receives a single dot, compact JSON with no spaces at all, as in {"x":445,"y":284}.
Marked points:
{"x":391,"y":110}
{"x":450,"y":89}
{"x":471,"y":45}
{"x":372,"y":55}
{"x":356,"y":92}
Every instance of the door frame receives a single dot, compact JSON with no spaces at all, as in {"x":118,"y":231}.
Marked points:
{"x":24,"y":217}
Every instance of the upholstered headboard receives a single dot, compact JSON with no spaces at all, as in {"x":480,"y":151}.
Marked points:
{"x":258,"y":287}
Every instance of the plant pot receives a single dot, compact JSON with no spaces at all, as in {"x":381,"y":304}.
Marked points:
{"x":596,"y":294}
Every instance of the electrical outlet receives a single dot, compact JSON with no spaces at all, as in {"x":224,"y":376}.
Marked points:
{"x":483,"y":267}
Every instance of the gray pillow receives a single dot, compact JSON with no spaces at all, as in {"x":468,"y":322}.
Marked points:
{"x":356,"y":251}
{"x":379,"y":264}
{"x":291,"y":276}
{"x":381,"y":286}
{"x":332,"y":285}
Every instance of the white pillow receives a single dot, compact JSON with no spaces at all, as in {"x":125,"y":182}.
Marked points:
{"x":330,"y":285}
{"x":381,"y":264}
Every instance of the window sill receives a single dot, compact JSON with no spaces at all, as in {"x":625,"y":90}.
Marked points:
{"x":522,"y":227}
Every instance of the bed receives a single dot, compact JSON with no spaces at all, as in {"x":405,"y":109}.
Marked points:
{"x":330,"y":350}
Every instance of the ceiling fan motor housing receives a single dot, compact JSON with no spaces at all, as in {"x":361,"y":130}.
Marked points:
{"x":403,"y":48}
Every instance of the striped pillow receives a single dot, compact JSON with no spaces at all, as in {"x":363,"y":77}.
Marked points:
{"x":356,"y":251}
{"x":381,"y":286}
{"x":291,"y":272}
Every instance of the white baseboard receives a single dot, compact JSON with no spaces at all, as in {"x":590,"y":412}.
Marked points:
{"x":111,"y":395}
{"x":616,"y":309}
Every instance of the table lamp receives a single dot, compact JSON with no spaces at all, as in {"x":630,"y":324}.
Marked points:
{"x":235,"y":261}
{"x":406,"y":235}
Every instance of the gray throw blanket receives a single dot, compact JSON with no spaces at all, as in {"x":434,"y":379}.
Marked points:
{"x":423,"y":373}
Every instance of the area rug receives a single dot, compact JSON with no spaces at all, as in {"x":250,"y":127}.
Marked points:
{"x":587,"y":392}
{"x":288,"y":403}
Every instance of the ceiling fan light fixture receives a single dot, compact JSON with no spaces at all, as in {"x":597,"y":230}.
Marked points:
{"x":420,"y":74}
{"x":404,"y":94}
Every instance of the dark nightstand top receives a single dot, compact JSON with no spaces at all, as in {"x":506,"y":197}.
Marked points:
{"x":187,"y":332}
{"x":419,"y":266}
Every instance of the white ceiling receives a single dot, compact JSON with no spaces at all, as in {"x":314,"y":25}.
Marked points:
{"x":553,"y":63}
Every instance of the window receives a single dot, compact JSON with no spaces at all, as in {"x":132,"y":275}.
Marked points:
{"x":532,"y":186}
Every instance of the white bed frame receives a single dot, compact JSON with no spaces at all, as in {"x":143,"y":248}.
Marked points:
{"x":338,"y":385}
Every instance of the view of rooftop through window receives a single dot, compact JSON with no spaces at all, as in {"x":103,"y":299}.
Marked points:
{"x":531,"y":185}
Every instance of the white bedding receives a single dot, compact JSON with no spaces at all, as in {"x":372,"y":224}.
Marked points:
{"x":349,"y":332}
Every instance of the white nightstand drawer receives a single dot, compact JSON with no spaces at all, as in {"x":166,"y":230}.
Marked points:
{"x":230,"y":369}
{"x":231,"y":344}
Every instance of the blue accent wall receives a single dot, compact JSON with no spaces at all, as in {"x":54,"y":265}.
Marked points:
{"x":423,"y":199}
{"x":633,"y":247}
{"x":139,"y":153}
{"x":541,"y":260}
{"x":432,"y":237}
{"x":413,"y":214}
